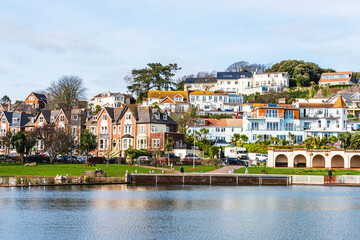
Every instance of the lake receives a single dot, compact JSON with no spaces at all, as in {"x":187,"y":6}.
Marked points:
{"x":180,"y":212}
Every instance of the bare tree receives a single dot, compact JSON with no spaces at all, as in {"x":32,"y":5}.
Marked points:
{"x":55,"y":140}
{"x":66,"y":92}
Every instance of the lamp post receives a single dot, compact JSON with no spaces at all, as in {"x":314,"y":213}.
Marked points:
{"x":194,"y":144}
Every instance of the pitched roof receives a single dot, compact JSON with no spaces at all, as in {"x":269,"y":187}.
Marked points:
{"x":340,"y":103}
{"x":40,"y":96}
{"x":200,"y":80}
{"x":226,"y":122}
{"x":201,"y":93}
{"x":316,"y":105}
{"x":233,"y":75}
{"x":164,"y":94}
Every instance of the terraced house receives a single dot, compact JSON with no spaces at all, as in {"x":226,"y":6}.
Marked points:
{"x":138,"y":127}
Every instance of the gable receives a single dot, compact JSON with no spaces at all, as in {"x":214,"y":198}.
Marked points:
{"x":167,"y":100}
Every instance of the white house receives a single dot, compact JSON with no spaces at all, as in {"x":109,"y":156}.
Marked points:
{"x":109,"y":99}
{"x":223,"y":129}
{"x":171,"y":101}
{"x":337,"y":78}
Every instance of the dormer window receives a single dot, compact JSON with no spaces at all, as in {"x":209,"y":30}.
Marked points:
{"x":157,"y":115}
{"x":128,"y":116}
{"x":104,"y":117}
{"x":62,"y":118}
{"x":178,"y":99}
{"x":31,"y":98}
{"x":41,"y":119}
{"x":14,"y":120}
{"x":165,"y":116}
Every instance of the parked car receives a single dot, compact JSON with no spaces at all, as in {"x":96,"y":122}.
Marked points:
{"x":39,"y":158}
{"x":164,"y":159}
{"x":189,"y":159}
{"x":143,"y":160}
{"x":261,"y":157}
{"x":234,"y":161}
{"x":97,"y":160}
{"x":112,"y":160}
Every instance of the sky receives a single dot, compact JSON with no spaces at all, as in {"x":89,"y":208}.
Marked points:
{"x":102,"y":41}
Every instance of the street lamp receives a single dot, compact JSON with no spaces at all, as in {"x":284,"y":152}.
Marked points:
{"x":194,"y":144}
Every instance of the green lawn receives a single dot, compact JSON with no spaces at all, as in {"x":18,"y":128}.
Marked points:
{"x":198,"y":168}
{"x":298,"y":171}
{"x":49,"y":170}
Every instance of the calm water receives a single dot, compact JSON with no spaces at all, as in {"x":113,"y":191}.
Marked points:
{"x":189,"y":212}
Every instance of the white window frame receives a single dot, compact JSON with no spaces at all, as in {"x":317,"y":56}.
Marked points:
{"x":155,"y":143}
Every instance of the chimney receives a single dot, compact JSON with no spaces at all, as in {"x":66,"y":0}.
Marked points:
{"x":48,"y":97}
{"x":159,"y":97}
{"x":187,"y":92}
{"x":9,"y":106}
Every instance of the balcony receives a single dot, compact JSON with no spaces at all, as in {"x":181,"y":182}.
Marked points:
{"x":264,"y":116}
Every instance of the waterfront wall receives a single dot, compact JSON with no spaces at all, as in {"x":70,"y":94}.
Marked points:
{"x":207,"y":179}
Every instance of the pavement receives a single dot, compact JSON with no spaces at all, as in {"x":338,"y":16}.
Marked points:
{"x":226,"y":169}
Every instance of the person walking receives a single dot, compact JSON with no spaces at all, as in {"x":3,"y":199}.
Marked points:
{"x":172,"y":166}
{"x":182,"y":169}
{"x":330,"y":175}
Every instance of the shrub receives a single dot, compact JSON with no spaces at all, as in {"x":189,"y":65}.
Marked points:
{"x":87,"y":179}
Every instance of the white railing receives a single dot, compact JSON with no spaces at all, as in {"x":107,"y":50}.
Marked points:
{"x":307,"y":179}
{"x":351,"y":179}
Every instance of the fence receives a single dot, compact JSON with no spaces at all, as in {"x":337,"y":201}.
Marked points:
{"x":307,"y":179}
{"x":351,"y":179}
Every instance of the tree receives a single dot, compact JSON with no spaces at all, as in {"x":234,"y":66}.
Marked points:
{"x":283,"y":142}
{"x":131,"y":153}
{"x":299,"y":71}
{"x":244,"y":66}
{"x":243,"y":138}
{"x":345,"y":138}
{"x":88,"y":143}
{"x":291,"y":137}
{"x":183,"y":118}
{"x":23,"y":142}
{"x":154,"y":76}
{"x":56,"y":140}
{"x":66,"y":92}
{"x":332,"y":140}
{"x":204,"y":132}
{"x":168,"y":147}
{"x":355,"y":142}
{"x":6,"y":141}
{"x":236,"y":137}
{"x":5,"y":100}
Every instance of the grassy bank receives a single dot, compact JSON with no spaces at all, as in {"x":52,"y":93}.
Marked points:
{"x":298,"y":171}
{"x":50,"y":170}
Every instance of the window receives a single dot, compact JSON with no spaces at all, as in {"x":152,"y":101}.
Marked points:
{"x":272,"y":125}
{"x":319,"y":124}
{"x":165,"y":116}
{"x":119,"y":130}
{"x":236,"y":82}
{"x":254,"y":137}
{"x":3,"y":120}
{"x":215,"y":99}
{"x":307,"y":125}
{"x":289,"y":126}
{"x":228,"y":82}
{"x":157,"y":115}
{"x":156,"y":143}
{"x":74,"y":117}
{"x":167,"y":129}
{"x":204,"y":98}
{"x":74,"y":131}
{"x":289,"y":114}
{"x":125,"y":143}
{"x":14,"y":120}
{"x":142,"y":129}
{"x":272,"y":113}
{"x":41,"y":119}
{"x":192,"y":98}
{"x":104,"y":117}
{"x":128,"y":116}
{"x":114,"y":129}
{"x":31,"y":98}
{"x":178,"y":99}
{"x":62,"y":118}
{"x":101,"y":144}
{"x":128,"y":129}
{"x":104,"y":129}
{"x":153,"y":129}
{"x":93,"y":130}
{"x":254,"y":126}
{"x":141,"y":144}
{"x":328,"y":123}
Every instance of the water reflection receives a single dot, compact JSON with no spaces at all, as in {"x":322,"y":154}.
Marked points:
{"x":179,"y":212}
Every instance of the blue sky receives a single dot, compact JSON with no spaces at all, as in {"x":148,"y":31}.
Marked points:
{"x":102,"y":41}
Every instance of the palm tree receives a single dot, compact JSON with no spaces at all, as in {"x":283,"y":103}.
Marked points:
{"x":272,"y":140}
{"x":345,"y":138}
{"x":283,"y":142}
{"x":355,"y":142}
{"x":291,"y":138}
{"x":204,"y":132}
{"x":236,"y":137}
{"x":243,"y":138}
{"x":332,"y":140}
